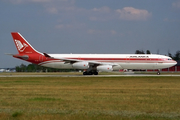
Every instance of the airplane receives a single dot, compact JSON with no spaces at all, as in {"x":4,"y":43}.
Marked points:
{"x":90,"y":63}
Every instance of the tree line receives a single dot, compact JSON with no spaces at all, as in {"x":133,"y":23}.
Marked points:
{"x":37,"y":68}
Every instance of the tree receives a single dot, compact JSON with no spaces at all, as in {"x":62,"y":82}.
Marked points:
{"x":18,"y":69}
{"x":148,"y":52}
{"x":23,"y":68}
{"x":177,"y":55}
{"x":31,"y":68}
{"x":139,"y":52}
{"x":170,"y":55}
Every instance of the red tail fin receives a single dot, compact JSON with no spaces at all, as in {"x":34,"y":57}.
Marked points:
{"x":22,"y":45}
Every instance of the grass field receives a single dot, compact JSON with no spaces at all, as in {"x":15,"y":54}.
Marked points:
{"x":71,"y":98}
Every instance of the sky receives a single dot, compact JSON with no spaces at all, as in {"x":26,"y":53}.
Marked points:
{"x":90,"y":26}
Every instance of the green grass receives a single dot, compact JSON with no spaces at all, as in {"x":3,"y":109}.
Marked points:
{"x":16,"y":114}
{"x":43,"y":99}
{"x":96,"y":98}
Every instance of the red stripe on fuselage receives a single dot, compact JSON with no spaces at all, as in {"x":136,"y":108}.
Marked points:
{"x":144,"y":60}
{"x":155,"y":59}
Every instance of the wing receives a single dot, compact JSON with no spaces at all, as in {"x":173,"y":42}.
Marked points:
{"x":92,"y":63}
{"x":72,"y":60}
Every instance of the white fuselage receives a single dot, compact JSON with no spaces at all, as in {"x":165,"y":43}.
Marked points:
{"x":125,"y":61}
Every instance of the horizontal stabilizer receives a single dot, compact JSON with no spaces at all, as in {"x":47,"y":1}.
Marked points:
{"x":24,"y":57}
{"x":8,"y":54}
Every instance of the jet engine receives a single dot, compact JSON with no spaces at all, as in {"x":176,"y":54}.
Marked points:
{"x":117,"y":68}
{"x":80,"y":65}
{"x":109,"y":68}
{"x":105,"y":68}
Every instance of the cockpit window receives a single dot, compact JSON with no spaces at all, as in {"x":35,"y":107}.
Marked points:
{"x":169,"y":59}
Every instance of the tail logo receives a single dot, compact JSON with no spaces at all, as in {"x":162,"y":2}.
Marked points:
{"x":21,"y":47}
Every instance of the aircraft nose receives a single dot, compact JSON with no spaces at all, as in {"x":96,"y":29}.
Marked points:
{"x":174,"y":62}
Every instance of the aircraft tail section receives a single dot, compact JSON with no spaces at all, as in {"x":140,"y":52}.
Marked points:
{"x":23,"y":47}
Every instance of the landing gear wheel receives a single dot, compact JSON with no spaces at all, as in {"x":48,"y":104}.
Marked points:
{"x":90,"y":73}
{"x":95,"y":73}
{"x":158,"y":73}
{"x":84,"y":73}
{"x":87,"y":73}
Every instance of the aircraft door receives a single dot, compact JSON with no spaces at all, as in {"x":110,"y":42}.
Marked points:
{"x":127,"y":59}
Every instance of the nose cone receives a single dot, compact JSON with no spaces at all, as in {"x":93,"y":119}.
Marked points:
{"x":171,"y":63}
{"x":174,"y":63}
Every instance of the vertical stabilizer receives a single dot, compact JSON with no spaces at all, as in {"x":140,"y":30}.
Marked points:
{"x":22,"y":45}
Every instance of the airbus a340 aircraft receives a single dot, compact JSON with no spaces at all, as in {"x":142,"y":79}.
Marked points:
{"x":90,"y":63}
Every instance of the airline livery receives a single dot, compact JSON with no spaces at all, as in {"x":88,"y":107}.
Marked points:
{"x":90,"y":63}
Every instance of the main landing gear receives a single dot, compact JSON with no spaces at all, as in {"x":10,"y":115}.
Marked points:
{"x":90,"y":73}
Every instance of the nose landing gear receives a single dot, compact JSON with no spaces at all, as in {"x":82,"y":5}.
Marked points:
{"x":158,"y":73}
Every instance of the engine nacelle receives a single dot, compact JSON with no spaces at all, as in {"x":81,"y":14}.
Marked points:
{"x":80,"y":65}
{"x":117,"y":68}
{"x":105,"y":68}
